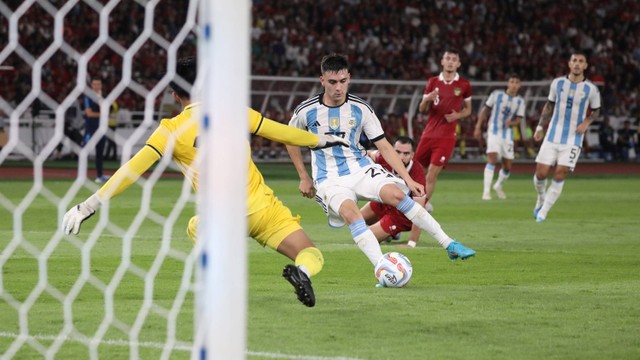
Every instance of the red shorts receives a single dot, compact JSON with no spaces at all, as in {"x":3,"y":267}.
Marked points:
{"x":392,"y":220}
{"x":436,"y":151}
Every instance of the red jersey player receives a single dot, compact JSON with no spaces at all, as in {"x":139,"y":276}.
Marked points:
{"x":447,"y":99}
{"x":385,"y":220}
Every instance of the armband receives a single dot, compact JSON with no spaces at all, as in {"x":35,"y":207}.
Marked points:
{"x":411,"y":243}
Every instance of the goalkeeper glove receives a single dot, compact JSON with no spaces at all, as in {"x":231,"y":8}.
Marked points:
{"x":325,"y":141}
{"x":79,"y":213}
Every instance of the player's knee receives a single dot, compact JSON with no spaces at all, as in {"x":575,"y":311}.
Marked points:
{"x":192,"y":228}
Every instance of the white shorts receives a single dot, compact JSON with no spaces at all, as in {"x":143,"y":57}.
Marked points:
{"x":503,"y":147}
{"x":362,"y":185}
{"x":562,"y":154}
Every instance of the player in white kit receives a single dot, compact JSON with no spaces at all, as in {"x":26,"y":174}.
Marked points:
{"x":573,"y":104}
{"x":343,"y":176}
{"x":507,"y":110}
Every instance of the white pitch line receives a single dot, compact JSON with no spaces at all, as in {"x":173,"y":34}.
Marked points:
{"x":178,"y":346}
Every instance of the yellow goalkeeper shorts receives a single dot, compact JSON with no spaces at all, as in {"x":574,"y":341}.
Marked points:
{"x":268,"y":226}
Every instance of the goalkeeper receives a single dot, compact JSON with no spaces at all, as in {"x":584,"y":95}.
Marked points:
{"x":269,"y":221}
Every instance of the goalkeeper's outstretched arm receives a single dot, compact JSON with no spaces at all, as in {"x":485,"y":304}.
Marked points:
{"x":273,"y":130}
{"x":120,"y":181}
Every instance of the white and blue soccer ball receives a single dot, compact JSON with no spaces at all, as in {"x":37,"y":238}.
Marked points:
{"x":393,"y":270}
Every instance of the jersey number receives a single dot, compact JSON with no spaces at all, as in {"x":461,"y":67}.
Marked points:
{"x":373,"y":172}
{"x":342,"y":134}
{"x":573,"y":153}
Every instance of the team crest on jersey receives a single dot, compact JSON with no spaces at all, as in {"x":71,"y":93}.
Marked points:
{"x":352,"y":122}
{"x":334,"y":123}
{"x":572,"y":93}
{"x":457,"y":91}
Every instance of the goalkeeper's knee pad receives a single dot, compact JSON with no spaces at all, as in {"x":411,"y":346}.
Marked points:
{"x":312,"y":259}
{"x":192,"y":228}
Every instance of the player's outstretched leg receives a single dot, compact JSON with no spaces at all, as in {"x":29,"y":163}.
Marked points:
{"x":455,"y":250}
{"x":301,"y":283}
{"x":419,"y":216}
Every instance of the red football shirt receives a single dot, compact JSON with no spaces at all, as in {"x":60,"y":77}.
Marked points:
{"x":451,"y":96}
{"x":415,"y":170}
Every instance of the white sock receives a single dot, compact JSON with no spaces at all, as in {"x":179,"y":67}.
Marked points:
{"x":540,"y":186}
{"x":304,"y":270}
{"x":366,"y":240}
{"x":502,"y":177}
{"x":419,"y":216}
{"x":555,"y":189}
{"x":488,"y":177}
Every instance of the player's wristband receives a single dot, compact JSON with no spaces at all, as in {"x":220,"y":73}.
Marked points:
{"x":411,"y":243}
{"x":539,"y":128}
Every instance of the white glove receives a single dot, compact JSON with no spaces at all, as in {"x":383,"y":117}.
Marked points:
{"x":79,"y":213}
{"x":325,"y":141}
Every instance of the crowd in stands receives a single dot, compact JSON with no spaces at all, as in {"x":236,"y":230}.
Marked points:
{"x":400,"y":40}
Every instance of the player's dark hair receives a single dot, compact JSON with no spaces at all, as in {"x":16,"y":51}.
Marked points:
{"x":580,"y":52}
{"x":406,"y":140}
{"x":451,"y":51}
{"x":185,"y":68}
{"x":334,"y":63}
{"x":513,"y":76}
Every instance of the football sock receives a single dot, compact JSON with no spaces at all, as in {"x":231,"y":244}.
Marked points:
{"x":555,"y":189}
{"x":502,"y":177}
{"x":310,"y":261}
{"x":419,"y":216}
{"x":488,"y":177}
{"x":366,"y":240}
{"x":540,"y":186}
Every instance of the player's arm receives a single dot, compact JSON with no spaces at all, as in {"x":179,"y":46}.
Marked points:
{"x":514,"y":121}
{"x":545,"y":116}
{"x":455,"y":115}
{"x":482,"y":117}
{"x":584,"y":125}
{"x":88,"y":111}
{"x":306,"y":183}
{"x":120,"y":181}
{"x":391,"y":157}
{"x":288,"y":135}
{"x":427,"y":99}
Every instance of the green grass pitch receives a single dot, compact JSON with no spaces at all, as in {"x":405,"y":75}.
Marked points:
{"x":568,"y":288}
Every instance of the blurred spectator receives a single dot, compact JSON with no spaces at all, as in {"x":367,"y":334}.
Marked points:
{"x":606,"y":134}
{"x":626,"y":142}
{"x":91,"y":108}
{"x":111,"y":148}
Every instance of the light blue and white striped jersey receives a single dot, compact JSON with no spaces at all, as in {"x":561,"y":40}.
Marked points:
{"x":572,"y":102}
{"x":503,"y":108}
{"x":349,"y":121}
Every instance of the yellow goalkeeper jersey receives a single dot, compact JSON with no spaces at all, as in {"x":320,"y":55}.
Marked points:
{"x":184,"y":129}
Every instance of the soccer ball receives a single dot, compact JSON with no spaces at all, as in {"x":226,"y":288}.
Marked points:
{"x":393,"y":270}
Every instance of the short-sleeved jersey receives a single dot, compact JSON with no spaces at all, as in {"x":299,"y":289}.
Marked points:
{"x":503,"y":108}
{"x":349,"y":120}
{"x":414,"y":169}
{"x":451,"y":97}
{"x":572,"y":103}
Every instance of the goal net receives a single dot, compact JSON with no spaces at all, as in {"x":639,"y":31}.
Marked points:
{"x":130,"y":284}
